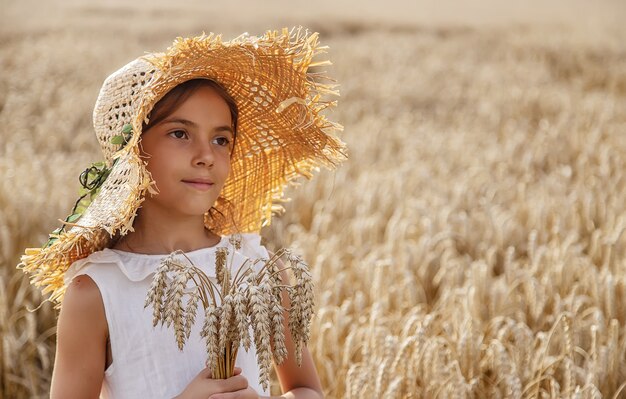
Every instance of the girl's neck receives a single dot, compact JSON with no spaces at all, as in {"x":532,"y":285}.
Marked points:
{"x":161,"y":233}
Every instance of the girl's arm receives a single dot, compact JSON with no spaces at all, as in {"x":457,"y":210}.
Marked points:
{"x":81,"y":342}
{"x":297,"y":382}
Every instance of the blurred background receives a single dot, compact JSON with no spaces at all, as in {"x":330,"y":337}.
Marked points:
{"x":472,"y":244}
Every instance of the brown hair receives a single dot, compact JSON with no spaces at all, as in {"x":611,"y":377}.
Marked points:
{"x":179,"y":94}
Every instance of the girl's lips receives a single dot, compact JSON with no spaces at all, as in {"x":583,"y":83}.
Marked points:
{"x":198,"y":185}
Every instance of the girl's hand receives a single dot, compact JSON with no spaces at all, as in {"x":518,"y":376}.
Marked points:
{"x":247,"y":393}
{"x":203,"y":386}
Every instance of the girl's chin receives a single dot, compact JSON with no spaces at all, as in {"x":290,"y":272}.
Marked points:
{"x":182,"y":206}
{"x":200,"y":212}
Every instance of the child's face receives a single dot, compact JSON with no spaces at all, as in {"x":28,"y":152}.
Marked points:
{"x":188,"y":154}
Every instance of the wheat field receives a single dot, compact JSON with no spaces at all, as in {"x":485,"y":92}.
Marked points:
{"x":473,"y":245}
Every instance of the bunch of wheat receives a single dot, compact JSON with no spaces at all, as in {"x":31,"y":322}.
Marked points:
{"x":232,"y":303}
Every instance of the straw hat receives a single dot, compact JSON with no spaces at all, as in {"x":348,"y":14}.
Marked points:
{"x":281,"y":135}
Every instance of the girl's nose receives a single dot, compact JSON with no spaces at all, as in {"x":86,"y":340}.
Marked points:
{"x":204,"y":155}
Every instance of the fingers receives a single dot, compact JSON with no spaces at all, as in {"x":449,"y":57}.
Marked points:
{"x":230,"y":385}
{"x":236,"y":383}
{"x":205,"y":373}
{"x":247,"y":393}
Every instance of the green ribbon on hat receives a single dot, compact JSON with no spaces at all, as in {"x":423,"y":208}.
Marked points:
{"x":91,"y":179}
{"x":127,"y":132}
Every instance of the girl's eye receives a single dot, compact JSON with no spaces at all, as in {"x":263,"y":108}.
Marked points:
{"x":179,"y":134}
{"x":222,"y":141}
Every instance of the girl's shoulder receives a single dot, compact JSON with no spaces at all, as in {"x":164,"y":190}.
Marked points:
{"x":82,"y":311}
{"x":82,"y":294}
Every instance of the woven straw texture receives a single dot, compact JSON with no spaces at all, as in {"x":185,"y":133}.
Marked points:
{"x":281,"y":135}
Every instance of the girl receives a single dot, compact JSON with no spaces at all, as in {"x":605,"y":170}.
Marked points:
{"x":199,"y":143}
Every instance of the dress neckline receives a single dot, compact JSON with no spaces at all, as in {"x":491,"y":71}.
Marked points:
{"x":152,"y":256}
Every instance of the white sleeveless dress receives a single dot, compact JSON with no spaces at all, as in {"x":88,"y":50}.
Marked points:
{"x":146,"y":360}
